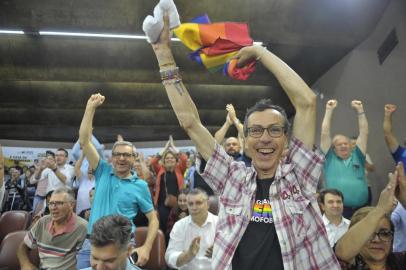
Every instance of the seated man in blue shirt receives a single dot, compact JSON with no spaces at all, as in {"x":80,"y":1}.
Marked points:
{"x":118,"y":188}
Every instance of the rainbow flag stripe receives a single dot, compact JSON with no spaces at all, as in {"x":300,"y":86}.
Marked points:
{"x":213,"y":44}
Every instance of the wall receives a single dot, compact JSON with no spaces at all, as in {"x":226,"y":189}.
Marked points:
{"x":360,"y":76}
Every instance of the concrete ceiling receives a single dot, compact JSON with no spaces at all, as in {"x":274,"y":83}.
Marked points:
{"x":45,"y":81}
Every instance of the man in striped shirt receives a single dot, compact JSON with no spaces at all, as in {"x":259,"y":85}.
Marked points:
{"x":269,"y":217}
{"x":57,"y":236}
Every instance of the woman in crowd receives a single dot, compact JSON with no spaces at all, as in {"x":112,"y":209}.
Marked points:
{"x":368,"y":242}
{"x":169,"y":180}
{"x":178,"y":212}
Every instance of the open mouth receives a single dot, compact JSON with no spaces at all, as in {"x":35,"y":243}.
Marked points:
{"x":265,"y":152}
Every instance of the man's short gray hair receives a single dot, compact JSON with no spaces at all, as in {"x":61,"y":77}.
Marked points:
{"x":127,"y":143}
{"x":70,"y":194}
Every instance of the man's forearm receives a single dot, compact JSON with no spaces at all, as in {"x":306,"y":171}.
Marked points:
{"x":390,"y":138}
{"x":387,"y":125}
{"x":325,"y":130}
{"x":22,"y":255}
{"x":326,"y":124}
{"x":363,"y":123}
{"x":85,"y":131}
{"x":297,"y":90}
{"x":60,"y":176}
{"x":153,"y":226}
{"x":363,"y":131}
{"x":221,"y":133}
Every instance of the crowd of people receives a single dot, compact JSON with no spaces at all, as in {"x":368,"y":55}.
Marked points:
{"x":284,"y":203}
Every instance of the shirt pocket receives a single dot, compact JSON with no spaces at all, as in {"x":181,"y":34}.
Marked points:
{"x":234,"y":212}
{"x":358,"y":171}
{"x":300,"y":225}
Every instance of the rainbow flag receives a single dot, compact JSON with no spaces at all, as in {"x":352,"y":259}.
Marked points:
{"x":213,"y":44}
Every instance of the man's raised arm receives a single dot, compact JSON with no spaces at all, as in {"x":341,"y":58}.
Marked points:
{"x":362,"y":126}
{"x":221,"y":133}
{"x":301,"y":96}
{"x":86,"y":127}
{"x":325,"y":138}
{"x":181,"y":102}
{"x":390,"y":138}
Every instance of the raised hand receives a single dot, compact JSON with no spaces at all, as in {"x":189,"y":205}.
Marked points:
{"x":120,"y":138}
{"x":161,"y":48}
{"x":401,"y":182}
{"x":247,"y":54}
{"x":231,"y":113}
{"x":41,"y":165}
{"x":95,"y":101}
{"x":194,"y":246}
{"x":357,"y":105}
{"x":331,"y":104}
{"x":388,"y":193}
{"x":389,"y":109}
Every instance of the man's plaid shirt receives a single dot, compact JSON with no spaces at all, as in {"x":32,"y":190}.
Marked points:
{"x":296,"y":214}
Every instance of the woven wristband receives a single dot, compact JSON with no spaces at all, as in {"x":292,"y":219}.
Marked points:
{"x":169,"y":74}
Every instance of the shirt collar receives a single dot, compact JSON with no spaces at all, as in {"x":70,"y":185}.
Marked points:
{"x":209,"y":219}
{"x":132,"y":178}
{"x":68,"y":228}
{"x":344,"y":221}
{"x":283,"y":169}
{"x":61,"y":167}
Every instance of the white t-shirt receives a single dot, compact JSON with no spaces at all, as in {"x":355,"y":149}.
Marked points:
{"x":334,"y":232}
{"x":53,"y":181}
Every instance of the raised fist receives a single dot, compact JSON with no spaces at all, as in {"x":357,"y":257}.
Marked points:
{"x":356,"y":104}
{"x":331,"y":104}
{"x":95,"y":100}
{"x":389,"y":109}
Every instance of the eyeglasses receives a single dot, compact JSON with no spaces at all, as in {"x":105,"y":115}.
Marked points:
{"x":56,"y":203}
{"x":383,"y":235}
{"x":275,"y":131}
{"x":125,"y":155}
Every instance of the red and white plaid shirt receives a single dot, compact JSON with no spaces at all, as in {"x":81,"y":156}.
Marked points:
{"x":300,"y":229}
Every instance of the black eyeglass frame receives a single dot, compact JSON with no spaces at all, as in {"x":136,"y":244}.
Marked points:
{"x":268,"y":129}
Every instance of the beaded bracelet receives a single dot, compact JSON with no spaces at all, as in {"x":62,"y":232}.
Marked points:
{"x":172,"y":81}
{"x":169,"y":74}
